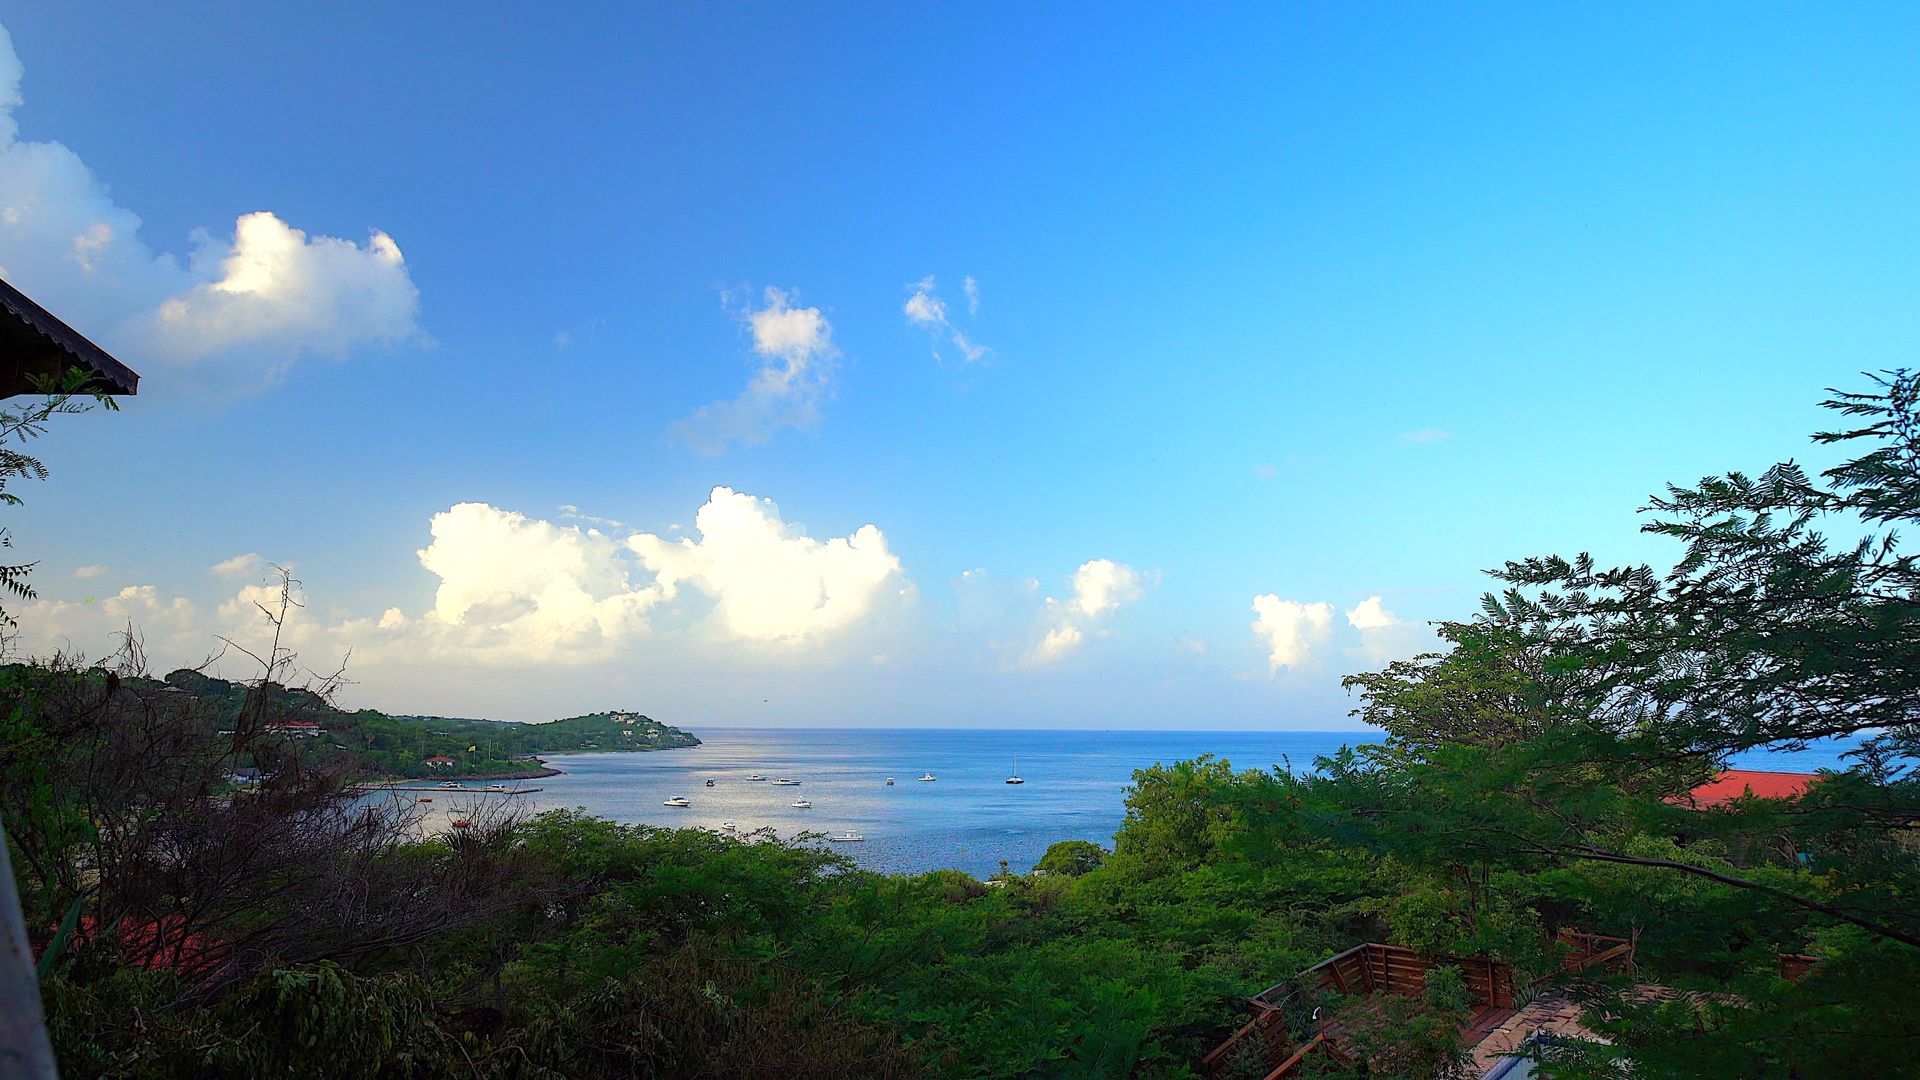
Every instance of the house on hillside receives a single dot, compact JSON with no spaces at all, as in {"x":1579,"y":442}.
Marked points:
{"x":303,"y":728}
{"x":35,"y":346}
{"x":439,"y":761}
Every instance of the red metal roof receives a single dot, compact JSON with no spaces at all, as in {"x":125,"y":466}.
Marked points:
{"x":1734,"y":783}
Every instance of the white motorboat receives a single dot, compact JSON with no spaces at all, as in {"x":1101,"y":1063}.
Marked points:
{"x":496,"y":787}
{"x":450,"y":785}
{"x":802,"y":804}
{"x":928,"y":779}
{"x":846,"y":838}
{"x":678,"y":800}
{"x":786,"y":781}
{"x":889,"y":781}
{"x":729,"y":826}
{"x":755,"y":776}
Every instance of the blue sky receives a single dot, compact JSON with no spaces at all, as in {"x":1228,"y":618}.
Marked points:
{"x":1314,"y":303}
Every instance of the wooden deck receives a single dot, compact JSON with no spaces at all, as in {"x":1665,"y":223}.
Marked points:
{"x":1309,"y":1013}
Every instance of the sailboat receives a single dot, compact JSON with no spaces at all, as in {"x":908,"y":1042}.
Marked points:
{"x":1013,"y":777}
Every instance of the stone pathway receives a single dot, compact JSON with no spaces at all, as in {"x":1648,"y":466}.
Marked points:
{"x":1553,"y":1012}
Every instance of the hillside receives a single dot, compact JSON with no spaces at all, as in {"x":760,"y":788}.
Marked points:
{"x":388,"y":745}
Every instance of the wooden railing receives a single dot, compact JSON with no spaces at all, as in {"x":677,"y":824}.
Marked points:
{"x":1588,"y":951}
{"x":1364,"y":970}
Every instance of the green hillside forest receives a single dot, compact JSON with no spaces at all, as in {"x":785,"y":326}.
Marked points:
{"x":374,"y":744}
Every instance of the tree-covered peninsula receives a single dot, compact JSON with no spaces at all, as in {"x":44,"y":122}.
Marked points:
{"x":371,"y":744}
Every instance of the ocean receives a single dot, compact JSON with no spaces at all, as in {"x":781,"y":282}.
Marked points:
{"x":967,"y":819}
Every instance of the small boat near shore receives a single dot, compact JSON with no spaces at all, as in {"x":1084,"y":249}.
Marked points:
{"x":754,"y":777}
{"x":786,"y":781}
{"x":677,"y":800}
{"x":846,"y":838}
{"x":728,"y":826}
{"x":928,"y":779}
{"x":802,"y":804}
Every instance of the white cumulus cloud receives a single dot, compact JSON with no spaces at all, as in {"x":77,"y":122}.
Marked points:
{"x":1290,"y":629}
{"x":515,"y":589}
{"x":91,"y":627}
{"x":1370,"y":614}
{"x":237,"y":314}
{"x":88,"y":573}
{"x":541,"y":585}
{"x":768,"y":580}
{"x":795,"y":374}
{"x":1100,"y":588}
{"x":1385,"y":636}
{"x":271,"y":293}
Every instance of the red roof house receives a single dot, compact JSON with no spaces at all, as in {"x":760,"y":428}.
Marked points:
{"x":1737,"y":783}
{"x":439,"y":761}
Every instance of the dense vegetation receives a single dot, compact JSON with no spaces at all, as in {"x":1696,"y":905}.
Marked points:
{"x":376,"y":744}
{"x":1524,"y":785}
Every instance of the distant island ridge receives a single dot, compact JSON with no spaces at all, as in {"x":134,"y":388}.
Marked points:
{"x":380,"y":746}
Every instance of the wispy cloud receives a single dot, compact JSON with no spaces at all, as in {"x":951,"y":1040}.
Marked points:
{"x":926,"y":310}
{"x":238,"y":567}
{"x":795,"y":374}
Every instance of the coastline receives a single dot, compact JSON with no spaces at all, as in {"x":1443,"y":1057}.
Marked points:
{"x":538,"y":770}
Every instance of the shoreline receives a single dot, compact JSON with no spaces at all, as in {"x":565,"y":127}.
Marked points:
{"x":540,"y":769}
{"x":530,"y":773}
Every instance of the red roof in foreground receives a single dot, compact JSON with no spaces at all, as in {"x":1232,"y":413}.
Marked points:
{"x":1734,"y":783}
{"x":439,"y":758}
{"x":156,"y":944}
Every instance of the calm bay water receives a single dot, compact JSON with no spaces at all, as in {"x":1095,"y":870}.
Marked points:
{"x":969,"y":819}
